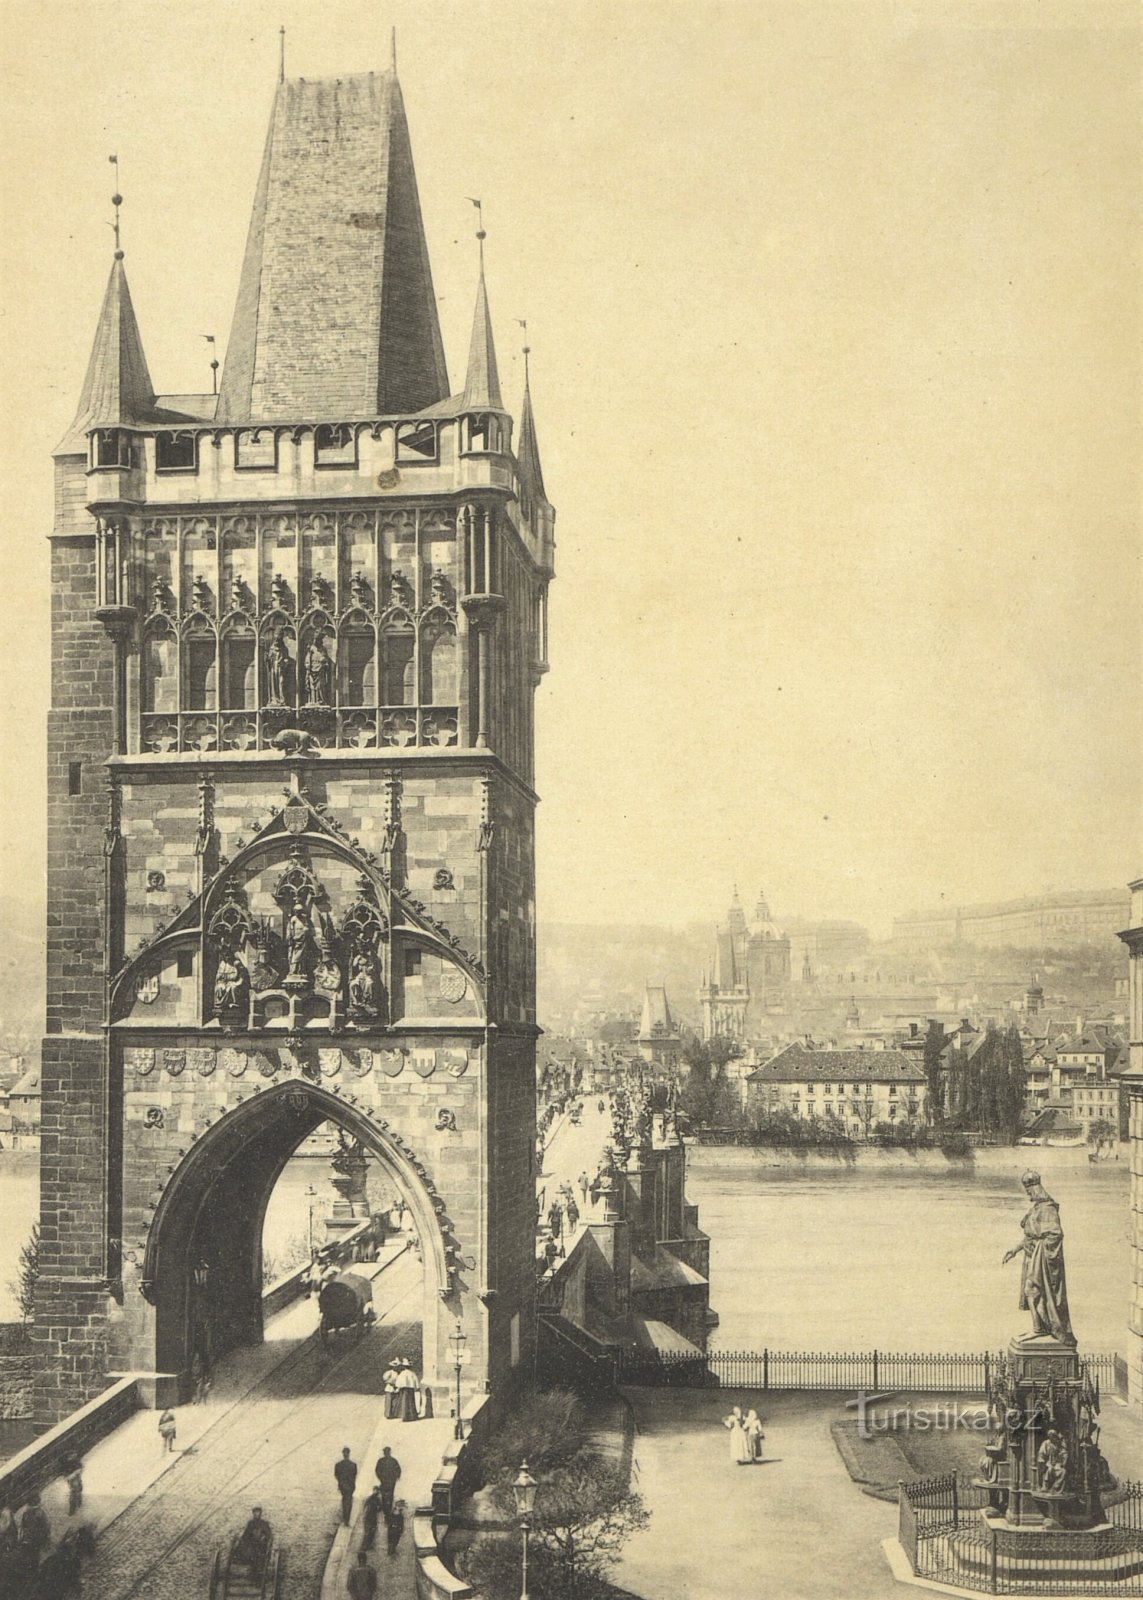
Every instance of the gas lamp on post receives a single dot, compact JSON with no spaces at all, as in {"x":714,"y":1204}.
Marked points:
{"x":524,"y":1488}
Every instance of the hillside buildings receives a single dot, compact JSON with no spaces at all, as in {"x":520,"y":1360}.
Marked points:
{"x":857,"y":1089}
{"x":1039,"y":922}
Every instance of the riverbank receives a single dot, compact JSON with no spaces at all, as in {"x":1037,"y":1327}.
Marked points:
{"x":891,"y":1158}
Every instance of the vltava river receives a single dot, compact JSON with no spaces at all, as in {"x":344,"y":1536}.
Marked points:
{"x":901,"y":1256}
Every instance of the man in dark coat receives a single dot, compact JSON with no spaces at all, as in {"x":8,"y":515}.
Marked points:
{"x":370,"y":1517}
{"x":345,"y":1471}
{"x":362,"y":1584}
{"x":396,"y":1527}
{"x":253,"y":1547}
{"x":35,"y":1532}
{"x":388,"y":1470}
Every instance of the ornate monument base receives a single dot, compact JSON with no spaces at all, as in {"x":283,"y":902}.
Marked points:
{"x":1043,"y":1468}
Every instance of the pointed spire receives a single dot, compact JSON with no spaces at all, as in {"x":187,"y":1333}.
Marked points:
{"x":482,"y":382}
{"x":527,"y":449}
{"x":117,"y":390}
{"x":336,"y":313}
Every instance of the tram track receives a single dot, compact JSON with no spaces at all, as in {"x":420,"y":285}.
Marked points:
{"x":161,"y":1546}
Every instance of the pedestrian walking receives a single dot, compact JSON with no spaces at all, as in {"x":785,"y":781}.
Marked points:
{"x":556,"y":1219}
{"x":35,"y":1532}
{"x":62,"y":1572}
{"x":572,"y":1215}
{"x":752,"y":1427}
{"x":362,"y":1584}
{"x":345,"y":1471}
{"x":740,"y":1450}
{"x":167,"y":1430}
{"x":73,"y":1476}
{"x":370,"y":1517}
{"x":387,"y":1471}
{"x":426,"y":1402}
{"x":584,"y":1185}
{"x":408,"y":1388}
{"x":396,"y":1527}
{"x":389,"y":1380}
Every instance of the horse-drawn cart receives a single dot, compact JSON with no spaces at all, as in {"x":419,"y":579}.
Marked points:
{"x":235,"y":1577}
{"x":345,"y":1302}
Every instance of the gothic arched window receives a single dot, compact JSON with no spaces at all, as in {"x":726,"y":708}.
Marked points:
{"x":239,"y":670}
{"x":440,"y":665}
{"x":399,"y":667}
{"x":160,"y":683}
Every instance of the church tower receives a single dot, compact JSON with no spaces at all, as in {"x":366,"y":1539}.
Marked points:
{"x":297,"y":630}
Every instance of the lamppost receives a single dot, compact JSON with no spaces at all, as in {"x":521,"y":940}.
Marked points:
{"x":524,"y":1488}
{"x":311,"y":1196}
{"x":458,"y":1339}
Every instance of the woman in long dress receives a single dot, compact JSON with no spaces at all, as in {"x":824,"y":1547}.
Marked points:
{"x":752,"y":1427}
{"x":407,"y":1390}
{"x":739,"y":1444}
{"x":389,"y":1379}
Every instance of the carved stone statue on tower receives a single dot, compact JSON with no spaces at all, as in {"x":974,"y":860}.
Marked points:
{"x":319,"y":674}
{"x":278,"y":666}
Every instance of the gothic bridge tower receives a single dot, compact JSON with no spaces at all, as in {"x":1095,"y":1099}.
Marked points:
{"x":297,"y":630}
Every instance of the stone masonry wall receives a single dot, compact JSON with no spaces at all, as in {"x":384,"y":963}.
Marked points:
{"x":1135,"y":1310}
{"x":426,"y":1091}
{"x":70,"y":1331}
{"x":511,"y":1204}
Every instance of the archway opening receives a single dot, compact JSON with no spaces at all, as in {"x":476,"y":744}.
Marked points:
{"x":239,"y":1207}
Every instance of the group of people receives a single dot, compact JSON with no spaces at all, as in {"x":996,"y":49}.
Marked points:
{"x":746,"y":1436}
{"x":28,"y":1563}
{"x":406,"y":1398}
{"x":380,"y":1505}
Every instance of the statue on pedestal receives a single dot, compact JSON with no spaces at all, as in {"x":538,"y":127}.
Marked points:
{"x":1043,"y":1289}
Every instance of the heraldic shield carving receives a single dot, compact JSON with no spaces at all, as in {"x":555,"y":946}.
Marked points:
{"x":302,"y":929}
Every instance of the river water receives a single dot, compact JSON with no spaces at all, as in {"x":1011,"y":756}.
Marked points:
{"x":896,"y":1252}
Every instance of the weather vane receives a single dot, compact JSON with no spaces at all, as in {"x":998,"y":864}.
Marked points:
{"x":480,"y":234}
{"x":281,"y":55}
{"x":116,"y":201}
{"x":523,"y":321}
{"x":209,"y":337}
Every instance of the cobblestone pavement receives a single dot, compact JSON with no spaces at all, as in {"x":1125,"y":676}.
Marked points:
{"x":275,"y":1449}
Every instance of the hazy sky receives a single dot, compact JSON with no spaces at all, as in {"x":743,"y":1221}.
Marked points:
{"x":836,"y":329}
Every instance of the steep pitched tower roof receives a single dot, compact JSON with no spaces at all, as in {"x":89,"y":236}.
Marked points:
{"x":528,"y":450}
{"x":336,"y":315}
{"x":482,"y":382}
{"x":117,"y":390}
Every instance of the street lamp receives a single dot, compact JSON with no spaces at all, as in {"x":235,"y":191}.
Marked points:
{"x":311,"y":1196}
{"x":458,"y":1339}
{"x":524,"y":1488}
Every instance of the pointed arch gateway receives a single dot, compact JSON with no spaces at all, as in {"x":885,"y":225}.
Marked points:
{"x":202,"y":1267}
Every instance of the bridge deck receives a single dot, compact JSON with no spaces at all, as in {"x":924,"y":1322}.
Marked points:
{"x":273,"y":1445}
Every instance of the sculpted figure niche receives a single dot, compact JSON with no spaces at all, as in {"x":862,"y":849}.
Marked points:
{"x":319,"y":673}
{"x":279,"y":668}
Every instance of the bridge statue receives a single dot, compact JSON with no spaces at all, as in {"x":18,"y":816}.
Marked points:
{"x":1043,"y":1289}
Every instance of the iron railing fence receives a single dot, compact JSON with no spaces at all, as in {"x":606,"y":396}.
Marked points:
{"x":946,"y":1541}
{"x":918,"y":1371}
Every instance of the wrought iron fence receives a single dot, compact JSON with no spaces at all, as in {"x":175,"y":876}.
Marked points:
{"x":921,"y":1372}
{"x":945,"y":1539}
